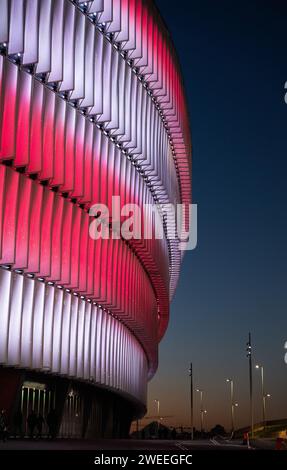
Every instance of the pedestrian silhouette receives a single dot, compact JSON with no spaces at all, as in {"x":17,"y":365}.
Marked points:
{"x":173,"y":433}
{"x":32,"y":422}
{"x":3,"y":425}
{"x":165,"y":433}
{"x":18,"y":423}
{"x":40,"y":422}
{"x":52,"y":423}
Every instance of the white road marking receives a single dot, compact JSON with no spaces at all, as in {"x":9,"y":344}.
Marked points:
{"x":181,"y":446}
{"x":216,"y":443}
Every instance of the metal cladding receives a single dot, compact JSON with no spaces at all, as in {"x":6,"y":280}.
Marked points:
{"x":91,"y":106}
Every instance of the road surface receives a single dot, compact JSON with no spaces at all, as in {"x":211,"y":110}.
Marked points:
{"x":121,"y":444}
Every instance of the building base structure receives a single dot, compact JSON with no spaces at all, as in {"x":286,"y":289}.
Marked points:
{"x":80,"y":410}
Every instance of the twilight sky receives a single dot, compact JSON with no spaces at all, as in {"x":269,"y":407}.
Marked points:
{"x":234,"y":61}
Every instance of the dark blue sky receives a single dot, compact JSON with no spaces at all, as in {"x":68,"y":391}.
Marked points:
{"x":234,"y":61}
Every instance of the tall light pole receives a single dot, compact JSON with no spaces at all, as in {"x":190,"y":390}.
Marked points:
{"x":230,"y":381}
{"x":201,"y":409}
{"x":266,"y":395}
{"x":249,"y":355}
{"x":204,"y":412}
{"x":261,"y":368}
{"x":157,"y":404}
{"x":191,"y":402}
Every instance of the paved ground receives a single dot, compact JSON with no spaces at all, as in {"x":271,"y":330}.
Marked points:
{"x":81,"y":454}
{"x":134,"y":444}
{"x":121,"y":444}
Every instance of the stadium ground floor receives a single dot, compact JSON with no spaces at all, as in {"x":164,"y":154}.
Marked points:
{"x":50,"y":405}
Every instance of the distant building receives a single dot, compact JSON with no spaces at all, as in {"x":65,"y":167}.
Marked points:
{"x":91,"y":106}
{"x":153,"y":430}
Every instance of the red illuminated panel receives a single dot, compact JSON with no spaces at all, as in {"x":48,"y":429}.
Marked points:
{"x":22,"y":154}
{"x":23,"y":224}
{"x":9,"y":76}
{"x":56,"y":245}
{"x":36,"y":130}
{"x":35,"y":234}
{"x":10,"y":218}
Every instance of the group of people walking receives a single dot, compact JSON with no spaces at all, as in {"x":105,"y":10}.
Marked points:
{"x":35,"y":423}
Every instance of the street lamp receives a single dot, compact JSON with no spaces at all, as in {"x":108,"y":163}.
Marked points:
{"x":157,"y":404}
{"x":260,"y":367}
{"x":249,"y":356}
{"x":203,"y":413}
{"x":266,"y":395}
{"x":201,"y":408}
{"x":232,"y":404}
{"x":191,"y":401}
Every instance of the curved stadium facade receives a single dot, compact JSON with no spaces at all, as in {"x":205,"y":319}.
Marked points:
{"x":91,"y":106}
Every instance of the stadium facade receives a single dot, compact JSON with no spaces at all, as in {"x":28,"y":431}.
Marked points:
{"x":91,"y":106}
